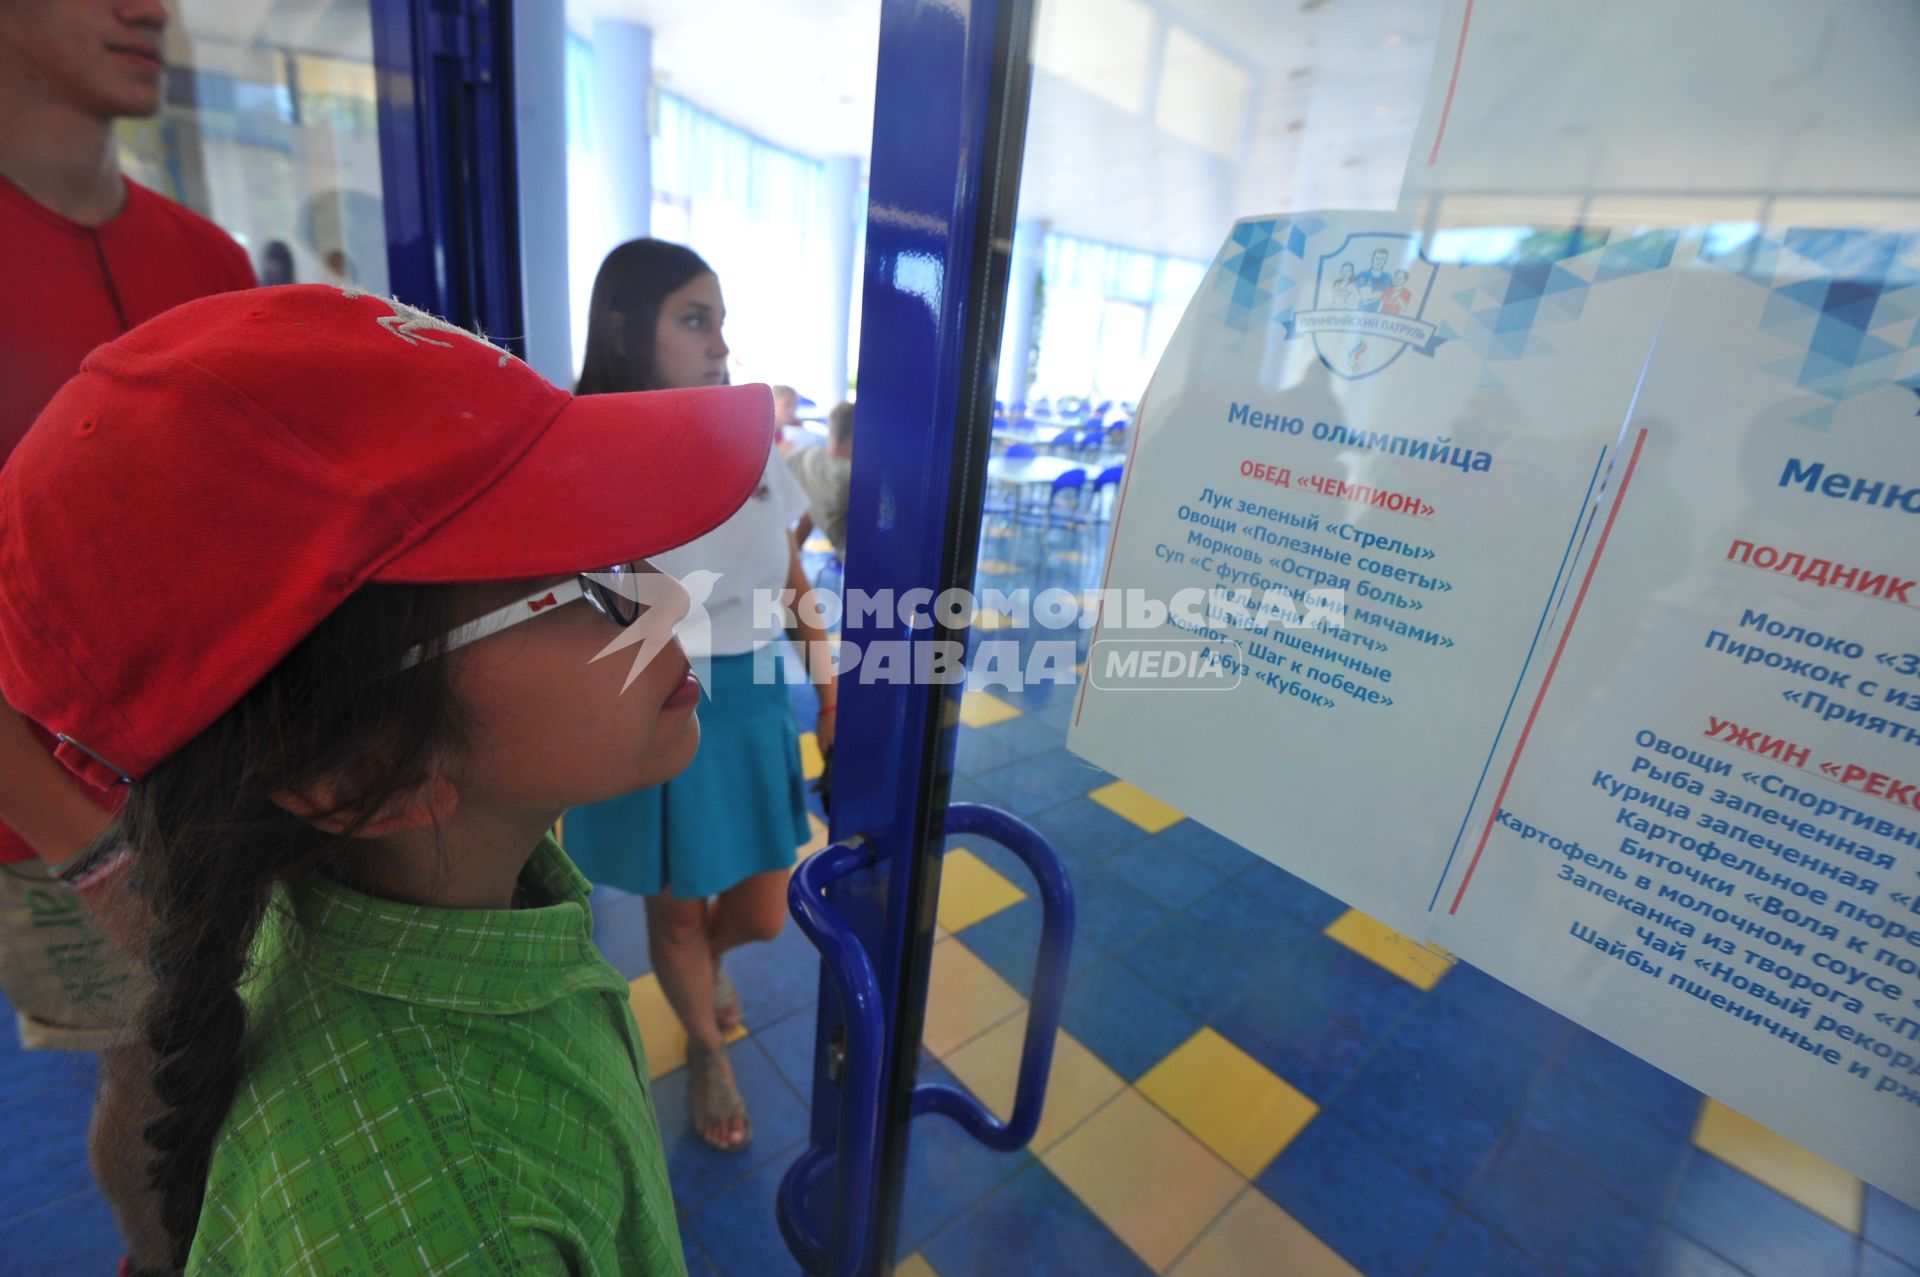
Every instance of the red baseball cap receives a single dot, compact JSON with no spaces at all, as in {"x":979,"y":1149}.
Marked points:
{"x":213,"y":484}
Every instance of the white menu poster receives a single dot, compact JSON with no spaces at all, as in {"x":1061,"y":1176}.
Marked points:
{"x":1619,"y":696}
{"x":1706,"y":846}
{"x":1340,"y":410}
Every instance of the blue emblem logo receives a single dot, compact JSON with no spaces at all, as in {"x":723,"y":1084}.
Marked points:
{"x":1367,"y":305}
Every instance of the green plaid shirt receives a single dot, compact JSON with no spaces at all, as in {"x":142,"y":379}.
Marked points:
{"x":438,"y":1091}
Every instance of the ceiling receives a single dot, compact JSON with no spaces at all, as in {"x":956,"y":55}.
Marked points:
{"x":1153,"y":124}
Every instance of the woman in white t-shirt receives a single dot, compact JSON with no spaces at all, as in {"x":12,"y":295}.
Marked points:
{"x":711,"y":849}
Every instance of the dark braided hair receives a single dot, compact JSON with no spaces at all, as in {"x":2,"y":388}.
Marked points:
{"x":208,"y":843}
{"x":632,"y":282}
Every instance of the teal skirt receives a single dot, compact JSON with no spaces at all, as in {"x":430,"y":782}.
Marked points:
{"x":738,"y":810}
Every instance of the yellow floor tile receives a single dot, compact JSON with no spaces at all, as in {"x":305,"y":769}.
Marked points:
{"x":660,"y":1031}
{"x":998,"y":567}
{"x":1153,"y":1185}
{"x":818,"y":545}
{"x":999,"y":530}
{"x":984,"y":709}
{"x":1419,"y":965}
{"x":964,"y":999}
{"x":1255,"y":1236}
{"x":914,"y":1266}
{"x":1077,"y":1084}
{"x":1067,"y":556}
{"x":1236,"y":1105}
{"x":819,"y":840}
{"x":1780,"y":1164}
{"x":812,"y":763}
{"x":1137,"y":805}
{"x":987,"y":619}
{"x":970,"y":890}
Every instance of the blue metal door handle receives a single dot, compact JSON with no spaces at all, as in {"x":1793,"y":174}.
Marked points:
{"x":858,"y":1137}
{"x":1049,"y":985}
{"x":861,"y":1058}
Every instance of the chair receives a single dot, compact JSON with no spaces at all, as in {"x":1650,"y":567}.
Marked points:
{"x":1019,"y":451}
{"x":1074,"y":481}
{"x":1064,"y":440}
{"x":1103,"y":483}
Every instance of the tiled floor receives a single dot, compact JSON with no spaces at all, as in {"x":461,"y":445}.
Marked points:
{"x":1251,"y":1079}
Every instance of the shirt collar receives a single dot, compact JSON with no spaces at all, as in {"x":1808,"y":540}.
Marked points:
{"x":485,"y":961}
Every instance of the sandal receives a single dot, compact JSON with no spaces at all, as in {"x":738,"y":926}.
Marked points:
{"x":714,"y":1098}
{"x":726,"y":1001}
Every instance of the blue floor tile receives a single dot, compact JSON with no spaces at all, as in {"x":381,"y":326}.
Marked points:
{"x":1550,"y":1210}
{"x":1034,"y":785}
{"x":738,"y":1229}
{"x":1425,"y":1128}
{"x":46,"y":1143}
{"x":1500,"y":1007}
{"x":74,"y":1234}
{"x":1298,"y":1039}
{"x":1338,"y":978}
{"x":948,"y":1171}
{"x":1351,"y":1196}
{"x":1252,"y":924}
{"x":698,"y":1262}
{"x":1193,"y":969}
{"x":779,"y":1125}
{"x":1761,"y":1231}
{"x":1877,"y":1263}
{"x":1625,"y":1152}
{"x":620,"y":930}
{"x":977,"y":752}
{"x":1009,"y":941}
{"x":1084,"y":832}
{"x":789,"y":1044}
{"x":777,"y":978}
{"x":1164,"y":874}
{"x":1216,"y":851}
{"x":1676,"y":1256}
{"x":1469,"y":1249}
{"x":1892,"y":1225}
{"x":1454,"y":1054}
{"x":1632,"y":1081}
{"x":1109,"y":913}
{"x":1034,"y":1227}
{"x":1290,"y":894}
{"x":1021,"y":737}
{"x":1122,"y":1020}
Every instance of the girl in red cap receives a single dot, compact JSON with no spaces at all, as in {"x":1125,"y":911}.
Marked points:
{"x":326,"y":583}
{"x":711,"y":849}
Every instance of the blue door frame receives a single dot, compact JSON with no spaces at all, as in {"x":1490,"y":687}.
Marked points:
{"x":949,"y":125}
{"x":444,"y":75}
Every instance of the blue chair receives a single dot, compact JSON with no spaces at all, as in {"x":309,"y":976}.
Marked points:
{"x":1074,"y":481}
{"x":1064,"y":440}
{"x":1103,"y":483}
{"x":1017,"y":451}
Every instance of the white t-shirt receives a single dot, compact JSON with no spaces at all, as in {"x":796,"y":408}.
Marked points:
{"x":749,"y":552}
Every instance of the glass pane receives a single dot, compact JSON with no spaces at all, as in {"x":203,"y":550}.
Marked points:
{"x":742,"y":134}
{"x":269,"y":128}
{"x":1256,"y":1075}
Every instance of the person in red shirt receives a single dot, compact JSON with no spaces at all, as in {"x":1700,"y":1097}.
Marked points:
{"x":88,"y":255}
